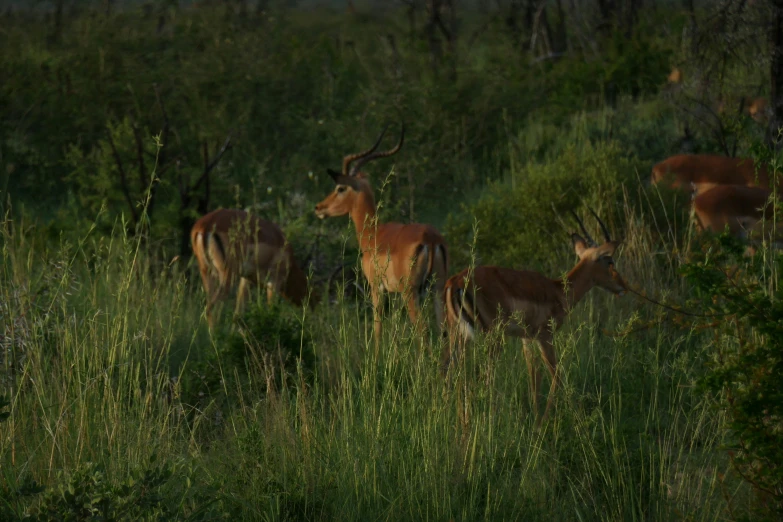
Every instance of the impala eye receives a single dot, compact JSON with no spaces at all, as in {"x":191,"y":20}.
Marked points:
{"x":340,"y":189}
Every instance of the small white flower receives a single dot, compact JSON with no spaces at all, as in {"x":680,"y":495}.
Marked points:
{"x":320,"y":122}
{"x":310,"y":174}
{"x":269,"y":190}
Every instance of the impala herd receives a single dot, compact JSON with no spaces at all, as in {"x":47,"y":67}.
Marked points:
{"x":234,"y":248}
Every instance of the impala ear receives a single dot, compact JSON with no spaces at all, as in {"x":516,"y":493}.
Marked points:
{"x":580,"y":245}
{"x":607,"y":249}
{"x":333,"y":174}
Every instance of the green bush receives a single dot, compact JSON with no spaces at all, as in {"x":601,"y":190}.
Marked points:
{"x":88,"y":494}
{"x":517,"y":226}
{"x":268,"y":341}
{"x":744,"y":375}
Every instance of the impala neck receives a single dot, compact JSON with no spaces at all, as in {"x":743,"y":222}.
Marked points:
{"x":578,"y":283}
{"x":363,"y":216}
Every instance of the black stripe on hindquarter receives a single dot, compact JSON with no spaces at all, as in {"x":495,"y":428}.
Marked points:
{"x":470,"y":299}
{"x":457,"y":303}
{"x":424,"y":285}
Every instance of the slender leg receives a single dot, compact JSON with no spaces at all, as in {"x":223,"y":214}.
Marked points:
{"x":448,"y":352}
{"x":533,"y":376}
{"x":242,"y":295}
{"x":208,"y":281}
{"x":376,"y":314}
{"x":224,"y":287}
{"x":438,"y":299}
{"x":412,"y":304}
{"x":550,"y":358}
{"x":270,"y":293}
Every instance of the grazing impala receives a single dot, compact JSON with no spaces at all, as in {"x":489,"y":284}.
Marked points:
{"x":746,"y":211}
{"x":238,"y":247}
{"x":699,"y":172}
{"x":396,"y":257}
{"x":525,"y":303}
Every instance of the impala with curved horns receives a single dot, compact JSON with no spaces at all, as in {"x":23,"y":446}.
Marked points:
{"x":233,"y":246}
{"x":699,"y":172}
{"x":525,"y":303}
{"x":404,"y":258}
{"x":745,"y":211}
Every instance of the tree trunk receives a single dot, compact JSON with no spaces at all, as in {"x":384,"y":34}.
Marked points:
{"x":693,"y":27}
{"x":58,"y":20}
{"x":632,"y":15}
{"x":561,"y":43}
{"x":607,"y":9}
{"x":776,"y":72}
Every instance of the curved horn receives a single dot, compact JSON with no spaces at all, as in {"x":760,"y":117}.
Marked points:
{"x":582,"y":226}
{"x":605,"y":230}
{"x":347,"y":160}
{"x":375,"y":155}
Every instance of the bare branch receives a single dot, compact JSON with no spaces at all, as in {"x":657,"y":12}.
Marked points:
{"x":144,"y":181}
{"x":209,"y":166}
{"x":166,"y":127}
{"x":123,"y":180}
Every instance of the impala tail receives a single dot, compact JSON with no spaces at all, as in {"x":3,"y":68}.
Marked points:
{"x":437,"y":263}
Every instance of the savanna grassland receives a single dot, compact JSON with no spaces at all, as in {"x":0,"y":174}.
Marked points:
{"x":122,"y":124}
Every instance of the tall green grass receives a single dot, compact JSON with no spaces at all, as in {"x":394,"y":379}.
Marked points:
{"x":101,"y":342}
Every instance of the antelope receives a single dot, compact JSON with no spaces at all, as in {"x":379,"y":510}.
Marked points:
{"x":396,"y":257}
{"x":699,"y":172}
{"x":234,"y":246}
{"x":759,"y":110}
{"x":675,"y":76}
{"x":527,"y":304}
{"x":743,"y":210}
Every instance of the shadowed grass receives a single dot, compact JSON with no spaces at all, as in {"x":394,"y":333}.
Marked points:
{"x":374,"y":434}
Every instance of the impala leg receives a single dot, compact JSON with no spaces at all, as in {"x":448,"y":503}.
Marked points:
{"x":446,"y":355}
{"x":534,"y":379}
{"x":242,"y":295}
{"x":224,"y":287}
{"x":451,"y":350}
{"x":438,"y":299}
{"x":208,"y":281}
{"x":412,"y":304}
{"x":376,"y":314}
{"x":550,"y":358}
{"x":270,"y":293}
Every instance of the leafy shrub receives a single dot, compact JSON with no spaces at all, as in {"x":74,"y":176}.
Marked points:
{"x":268,"y":342}
{"x":517,"y":226}
{"x":87,"y":494}
{"x":744,"y":375}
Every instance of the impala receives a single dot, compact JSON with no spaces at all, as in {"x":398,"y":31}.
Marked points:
{"x":396,"y":257}
{"x":699,"y":172}
{"x":744,"y":210}
{"x":233,"y":246}
{"x":528,"y":304}
{"x":759,"y":110}
{"x":675,"y":76}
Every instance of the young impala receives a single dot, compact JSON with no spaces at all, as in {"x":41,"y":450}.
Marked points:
{"x":396,"y":257}
{"x":233,"y":246}
{"x":525,"y":303}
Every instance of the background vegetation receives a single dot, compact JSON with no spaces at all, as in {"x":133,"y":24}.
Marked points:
{"x":122,"y":123}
